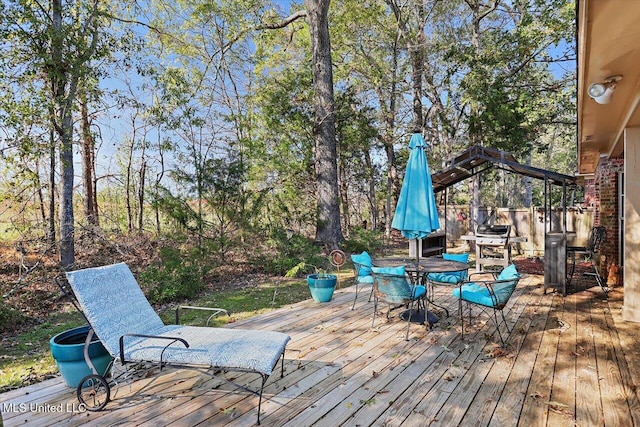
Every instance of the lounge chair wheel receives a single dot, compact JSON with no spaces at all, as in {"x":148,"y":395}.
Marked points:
{"x":93,"y":392}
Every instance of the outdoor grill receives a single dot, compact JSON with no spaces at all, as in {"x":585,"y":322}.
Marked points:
{"x":492,"y":245}
{"x":493,"y":232}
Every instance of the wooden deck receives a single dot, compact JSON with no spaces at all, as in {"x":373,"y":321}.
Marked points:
{"x":569,"y":361}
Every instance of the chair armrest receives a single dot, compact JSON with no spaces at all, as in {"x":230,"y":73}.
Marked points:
{"x":490,"y":283}
{"x":216,"y":312}
{"x":481,"y":273}
{"x":172,"y":339}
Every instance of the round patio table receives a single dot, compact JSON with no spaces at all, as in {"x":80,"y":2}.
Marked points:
{"x":423,"y":265}
{"x":419,"y":268}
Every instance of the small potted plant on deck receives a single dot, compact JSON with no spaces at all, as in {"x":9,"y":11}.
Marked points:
{"x":321,"y":284}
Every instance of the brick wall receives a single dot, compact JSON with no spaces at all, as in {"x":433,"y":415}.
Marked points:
{"x":603,"y":192}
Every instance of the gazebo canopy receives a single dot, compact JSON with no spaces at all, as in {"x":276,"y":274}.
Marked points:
{"x":478,"y":159}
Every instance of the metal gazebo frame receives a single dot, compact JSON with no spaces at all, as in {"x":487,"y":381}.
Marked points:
{"x":478,"y":159}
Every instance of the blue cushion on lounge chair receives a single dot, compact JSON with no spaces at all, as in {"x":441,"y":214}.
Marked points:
{"x":129,"y":328}
{"x":114,"y":305}
{"x":364,"y":259}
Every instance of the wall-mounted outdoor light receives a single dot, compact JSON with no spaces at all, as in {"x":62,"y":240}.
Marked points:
{"x":602,"y":92}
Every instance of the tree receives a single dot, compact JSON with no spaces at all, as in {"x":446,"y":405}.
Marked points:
{"x":90,"y":201}
{"x":377,"y":74}
{"x":328,"y":229}
{"x":57,"y":44}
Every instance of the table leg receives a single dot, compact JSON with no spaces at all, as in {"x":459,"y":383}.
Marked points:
{"x":431,"y":293}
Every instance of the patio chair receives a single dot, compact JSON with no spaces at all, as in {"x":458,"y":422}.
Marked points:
{"x":447,"y":279}
{"x":132,"y":332}
{"x":488,"y":294}
{"x":391,"y":286}
{"x":362,"y":264}
{"x":591,"y":252}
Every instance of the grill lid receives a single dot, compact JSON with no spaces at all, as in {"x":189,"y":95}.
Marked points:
{"x":493,"y":230}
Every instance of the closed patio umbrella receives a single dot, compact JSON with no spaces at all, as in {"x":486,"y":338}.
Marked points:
{"x":416,"y":213}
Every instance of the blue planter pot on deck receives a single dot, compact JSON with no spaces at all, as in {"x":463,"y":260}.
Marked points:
{"x":322,"y":287}
{"x":67,"y":349}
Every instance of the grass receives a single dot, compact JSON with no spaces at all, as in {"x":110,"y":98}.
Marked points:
{"x":242,"y":303}
{"x":26,"y":358}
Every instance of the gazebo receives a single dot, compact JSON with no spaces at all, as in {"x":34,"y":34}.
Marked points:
{"x":477,"y":159}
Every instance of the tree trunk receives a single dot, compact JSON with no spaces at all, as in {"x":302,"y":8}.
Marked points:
{"x":343,"y":185}
{"x":52,"y":186}
{"x":67,"y":257}
{"x":416,"y":51}
{"x":128,"y":181}
{"x":389,"y":118}
{"x":43,"y":215}
{"x":63,"y":70}
{"x":375,"y":215}
{"x":63,"y":125}
{"x":143,"y":170}
{"x":88,"y":164}
{"x":474,"y":132}
{"x":328,"y":230}
{"x":159,"y":177}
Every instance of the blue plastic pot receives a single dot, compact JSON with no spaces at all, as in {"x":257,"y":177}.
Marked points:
{"x":322,"y":287}
{"x":67,"y":349}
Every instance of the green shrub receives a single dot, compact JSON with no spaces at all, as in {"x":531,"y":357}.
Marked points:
{"x":284,"y":253}
{"x":178,"y":276}
{"x":363,"y":240}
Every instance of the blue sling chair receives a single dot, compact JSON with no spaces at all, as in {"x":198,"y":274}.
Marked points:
{"x":488,"y":294}
{"x":449,"y":278}
{"x":362,"y":264}
{"x":391,"y":286}
{"x":132,"y":332}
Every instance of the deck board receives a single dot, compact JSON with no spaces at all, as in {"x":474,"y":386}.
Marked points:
{"x":589,"y":411}
{"x":492,"y":390}
{"x":612,"y":389}
{"x":562,"y":402}
{"x":542,"y":342}
{"x":339,"y":370}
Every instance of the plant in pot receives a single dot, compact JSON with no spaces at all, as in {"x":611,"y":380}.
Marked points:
{"x":321,"y":284}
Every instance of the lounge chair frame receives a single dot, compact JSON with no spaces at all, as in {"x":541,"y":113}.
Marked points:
{"x":597,"y":238}
{"x":205,"y":349}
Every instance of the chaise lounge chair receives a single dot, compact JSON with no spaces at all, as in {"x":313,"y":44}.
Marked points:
{"x":131,"y":331}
